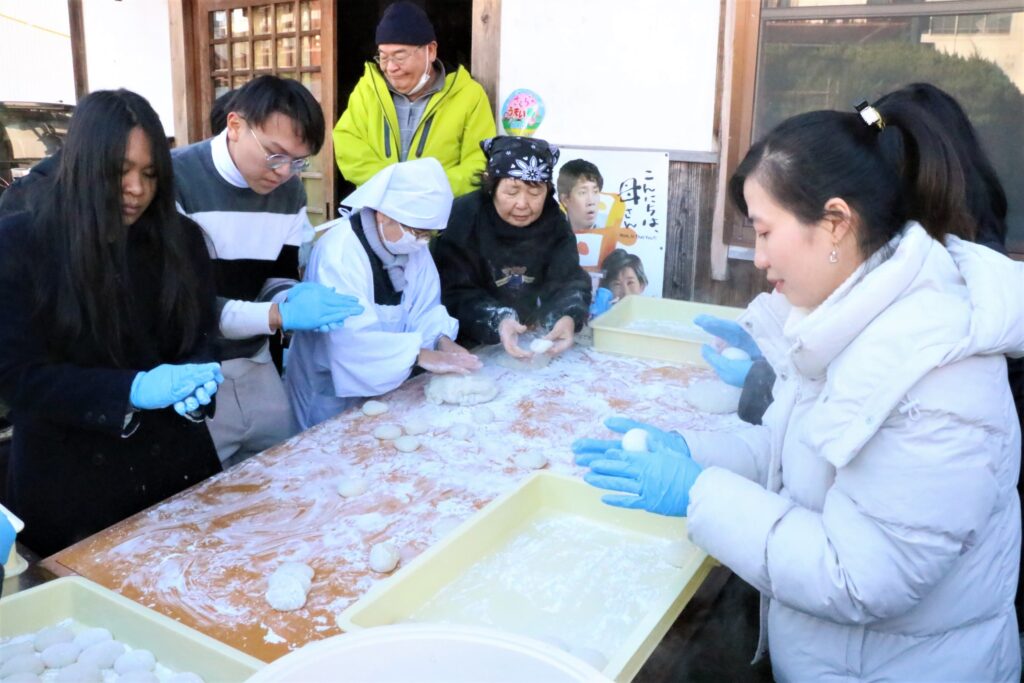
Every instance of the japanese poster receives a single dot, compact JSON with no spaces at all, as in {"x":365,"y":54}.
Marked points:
{"x":616,"y":203}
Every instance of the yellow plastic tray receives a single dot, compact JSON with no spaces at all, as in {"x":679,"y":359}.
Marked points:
{"x":500,"y":524}
{"x":174,"y":645}
{"x":650,"y":327}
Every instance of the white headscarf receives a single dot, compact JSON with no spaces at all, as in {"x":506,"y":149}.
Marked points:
{"x":414,"y":193}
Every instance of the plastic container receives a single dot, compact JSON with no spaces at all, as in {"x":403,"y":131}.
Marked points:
{"x":174,"y":645}
{"x":409,"y":593}
{"x":427,"y":653}
{"x":651,"y":327}
{"x":14,"y":564}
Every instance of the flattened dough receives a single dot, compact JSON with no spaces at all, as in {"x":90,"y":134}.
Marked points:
{"x":372,"y":408}
{"x":388,"y":432}
{"x":461,"y":390}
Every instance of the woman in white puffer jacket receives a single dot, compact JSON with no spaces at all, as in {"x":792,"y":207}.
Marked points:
{"x":875,"y":508}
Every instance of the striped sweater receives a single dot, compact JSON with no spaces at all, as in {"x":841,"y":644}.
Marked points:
{"x":253,"y":239}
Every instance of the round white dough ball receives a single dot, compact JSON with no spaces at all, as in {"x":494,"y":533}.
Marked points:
{"x":91,"y":636}
{"x":416,"y":426}
{"x":26,"y":663}
{"x":460,"y":431}
{"x":384,"y":557}
{"x":138,"y":676}
{"x":23,"y":677}
{"x":373,"y":408}
{"x":185,"y":677}
{"x":51,"y":635}
{"x":101,"y":655}
{"x":23,"y":647}
{"x":285,"y":593}
{"x":713,"y":396}
{"x":350,"y":487}
{"x":679,"y":553}
{"x":79,"y":673}
{"x":387,"y":432}
{"x":635,"y":440}
{"x":541,"y":345}
{"x":60,"y":655}
{"x":531,"y":460}
{"x":300,"y":570}
{"x":483,"y":415}
{"x":136,"y":660}
{"x":407,"y":444}
{"x":462,"y":390}
{"x":733,"y":353}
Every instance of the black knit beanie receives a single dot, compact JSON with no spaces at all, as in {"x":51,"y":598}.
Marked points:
{"x":404,"y":23}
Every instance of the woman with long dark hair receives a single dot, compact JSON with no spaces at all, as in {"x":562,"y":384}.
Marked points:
{"x":875,"y":509}
{"x":106,"y":317}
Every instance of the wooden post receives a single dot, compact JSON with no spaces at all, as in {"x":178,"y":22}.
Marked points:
{"x":486,"y":50}
{"x":180,"y":22}
{"x":78,"y":62}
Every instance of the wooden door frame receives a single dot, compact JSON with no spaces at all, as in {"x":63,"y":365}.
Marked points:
{"x":193,"y":91}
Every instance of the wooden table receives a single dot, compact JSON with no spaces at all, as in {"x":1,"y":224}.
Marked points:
{"x":203,"y":556}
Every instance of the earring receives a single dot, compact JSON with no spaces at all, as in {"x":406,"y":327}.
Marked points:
{"x":833,"y":256}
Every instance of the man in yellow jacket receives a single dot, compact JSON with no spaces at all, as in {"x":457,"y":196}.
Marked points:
{"x":407,"y":107}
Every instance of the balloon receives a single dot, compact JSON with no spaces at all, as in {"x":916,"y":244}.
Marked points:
{"x":522,"y":112}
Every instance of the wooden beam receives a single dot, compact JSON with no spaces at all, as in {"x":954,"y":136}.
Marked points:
{"x":486,"y":50}
{"x":78,"y":60}
{"x":180,"y":16}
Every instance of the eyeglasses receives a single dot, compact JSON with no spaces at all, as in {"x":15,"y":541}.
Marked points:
{"x":398,"y":58}
{"x":276,"y":161}
{"x":420,"y":234}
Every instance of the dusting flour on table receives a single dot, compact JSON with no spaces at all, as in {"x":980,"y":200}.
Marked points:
{"x":204,"y":556}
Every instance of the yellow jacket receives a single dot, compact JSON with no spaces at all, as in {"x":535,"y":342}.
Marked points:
{"x":454,"y":122}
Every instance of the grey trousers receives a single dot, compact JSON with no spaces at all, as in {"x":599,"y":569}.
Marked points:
{"x":252,"y":411}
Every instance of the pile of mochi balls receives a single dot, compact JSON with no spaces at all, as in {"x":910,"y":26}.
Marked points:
{"x":82,"y":657}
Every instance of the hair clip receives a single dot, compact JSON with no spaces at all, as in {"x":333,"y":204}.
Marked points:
{"x":870,"y":114}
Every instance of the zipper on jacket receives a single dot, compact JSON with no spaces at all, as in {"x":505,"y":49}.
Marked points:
{"x":387,"y":138}
{"x":423,"y":137}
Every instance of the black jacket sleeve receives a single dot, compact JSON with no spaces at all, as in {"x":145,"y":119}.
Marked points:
{"x":566,"y":288}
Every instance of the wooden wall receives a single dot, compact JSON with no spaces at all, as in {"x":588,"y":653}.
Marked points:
{"x":691,"y":202}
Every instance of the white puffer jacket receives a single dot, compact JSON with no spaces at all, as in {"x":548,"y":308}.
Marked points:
{"x":875,"y":508}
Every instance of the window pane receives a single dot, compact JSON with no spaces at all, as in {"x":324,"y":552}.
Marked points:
{"x":262,"y":19}
{"x":218,"y":24}
{"x":833,"y":63}
{"x":219,"y":57}
{"x":777,"y":4}
{"x":240,"y":23}
{"x":220,"y":85}
{"x":285,"y":17}
{"x":285,"y":53}
{"x":264,"y":57}
{"x":311,"y":51}
{"x":312,"y":81}
{"x":287,"y":74}
{"x":240,"y":56}
{"x":239,"y":81}
{"x":309,"y":11}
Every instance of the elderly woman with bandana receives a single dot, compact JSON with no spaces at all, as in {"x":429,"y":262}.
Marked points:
{"x":378,"y":254}
{"x":508,"y":260}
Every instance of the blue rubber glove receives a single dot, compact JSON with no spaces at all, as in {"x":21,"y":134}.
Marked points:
{"x":602,"y":302}
{"x":732,"y":372}
{"x":167,"y":384}
{"x":729,"y":331}
{"x":658,"y":481}
{"x":311,"y":306}
{"x":587,"y":450}
{"x":200,"y":397}
{"x":7,"y":535}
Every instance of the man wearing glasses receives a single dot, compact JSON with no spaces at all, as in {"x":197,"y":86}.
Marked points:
{"x":242,"y":187}
{"x":406,"y":106}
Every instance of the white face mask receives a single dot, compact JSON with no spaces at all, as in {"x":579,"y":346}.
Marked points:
{"x":406,"y":244}
{"x":423,"y":81}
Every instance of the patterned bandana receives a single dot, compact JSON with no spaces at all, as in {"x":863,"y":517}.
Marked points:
{"x":528,"y":159}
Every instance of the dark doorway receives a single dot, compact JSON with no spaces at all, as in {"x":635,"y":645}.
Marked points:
{"x":356,"y":24}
